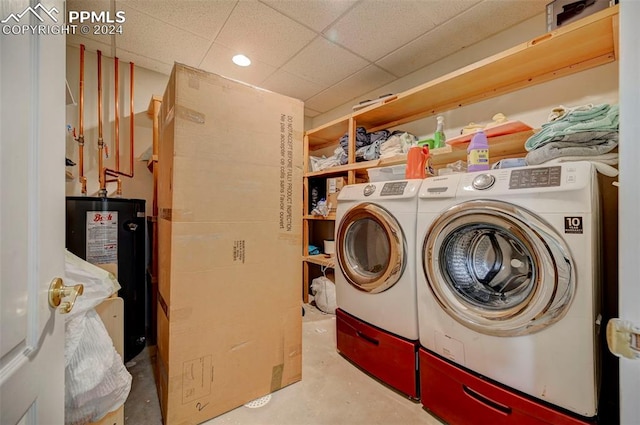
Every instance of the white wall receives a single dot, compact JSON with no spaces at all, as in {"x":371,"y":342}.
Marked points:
{"x":146,"y":84}
{"x":532,"y":106}
{"x":629,"y":232}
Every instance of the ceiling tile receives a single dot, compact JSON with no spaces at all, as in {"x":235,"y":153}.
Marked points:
{"x":291,"y":85}
{"x":203,"y":18}
{"x":373,"y":29}
{"x":149,"y":38}
{"x":310,"y":112}
{"x":218,"y":61}
{"x":462,"y":31}
{"x":263,"y":34}
{"x":312,"y":64}
{"x":316,"y":14}
{"x":289,"y":57}
{"x":475,"y":18}
{"x":429,"y":48}
{"x":95,"y":5}
{"x":351,"y":88}
{"x":90,"y":44}
{"x":104,"y":43}
{"x":144,"y":62}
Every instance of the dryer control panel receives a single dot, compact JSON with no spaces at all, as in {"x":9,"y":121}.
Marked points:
{"x":393,"y":188}
{"x":525,"y":178}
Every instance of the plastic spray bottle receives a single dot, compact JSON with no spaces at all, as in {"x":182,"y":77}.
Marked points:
{"x":478,"y":152}
{"x":439,"y":136}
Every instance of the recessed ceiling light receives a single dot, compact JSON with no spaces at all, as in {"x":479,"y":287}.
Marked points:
{"x":241,"y":60}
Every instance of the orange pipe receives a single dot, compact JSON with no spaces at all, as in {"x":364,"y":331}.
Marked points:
{"x":117,"y":111}
{"x":116,"y":173}
{"x":81,"y":178}
{"x":101,"y":179}
{"x":131,"y":117}
{"x":81,"y":102}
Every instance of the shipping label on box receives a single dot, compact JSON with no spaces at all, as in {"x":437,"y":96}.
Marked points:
{"x":334,"y":186}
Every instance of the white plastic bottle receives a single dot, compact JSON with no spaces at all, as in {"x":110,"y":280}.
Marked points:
{"x":478,"y":152}
{"x":439,"y":137}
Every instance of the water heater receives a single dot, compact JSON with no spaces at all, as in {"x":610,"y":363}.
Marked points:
{"x":111,"y":233}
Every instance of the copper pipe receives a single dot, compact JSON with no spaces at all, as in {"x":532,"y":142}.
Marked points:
{"x":81,"y":178}
{"x":103,"y":191}
{"x":116,"y":180}
{"x":117,"y":111}
{"x":81,"y":101}
{"x":131,"y":115}
{"x":116,"y":173}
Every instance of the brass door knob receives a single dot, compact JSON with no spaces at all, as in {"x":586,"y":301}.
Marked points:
{"x":58,"y":291}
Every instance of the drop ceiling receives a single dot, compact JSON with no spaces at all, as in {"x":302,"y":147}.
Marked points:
{"x":324,"y":52}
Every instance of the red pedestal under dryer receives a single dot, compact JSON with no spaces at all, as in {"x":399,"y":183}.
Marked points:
{"x":385,"y":356}
{"x":461,"y":397}
{"x":377,"y":320}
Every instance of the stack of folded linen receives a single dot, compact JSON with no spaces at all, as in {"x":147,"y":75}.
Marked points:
{"x":583,"y":133}
{"x":367,"y":144}
{"x":377,"y":144}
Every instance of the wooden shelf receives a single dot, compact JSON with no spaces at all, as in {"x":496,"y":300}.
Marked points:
{"x":581,"y":45}
{"x":330,"y":217}
{"x":321,"y":260}
{"x":342,"y":169}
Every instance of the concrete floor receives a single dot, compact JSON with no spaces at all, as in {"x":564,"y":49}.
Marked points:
{"x":332,"y":390}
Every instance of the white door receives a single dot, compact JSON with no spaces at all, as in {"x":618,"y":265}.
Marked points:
{"x":32,"y":153}
{"x":371,"y":248}
{"x":629,"y":206}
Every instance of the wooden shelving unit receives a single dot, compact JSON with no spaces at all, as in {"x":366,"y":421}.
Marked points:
{"x":582,"y":45}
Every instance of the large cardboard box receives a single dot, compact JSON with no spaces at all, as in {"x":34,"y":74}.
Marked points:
{"x":230,"y":226}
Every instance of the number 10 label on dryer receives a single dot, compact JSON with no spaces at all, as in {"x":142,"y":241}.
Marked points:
{"x":573,"y":225}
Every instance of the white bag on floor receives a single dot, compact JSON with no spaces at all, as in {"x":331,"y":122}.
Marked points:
{"x":324,"y":294}
{"x":96,"y":380}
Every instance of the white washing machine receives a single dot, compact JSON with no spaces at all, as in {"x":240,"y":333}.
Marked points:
{"x":377,"y":317}
{"x":508,"y":281}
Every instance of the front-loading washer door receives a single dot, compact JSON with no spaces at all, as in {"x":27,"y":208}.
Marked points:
{"x":370,"y":248}
{"x":497,"y":268}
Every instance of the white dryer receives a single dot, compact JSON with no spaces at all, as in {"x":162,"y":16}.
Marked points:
{"x":508,"y":286}
{"x":377,"y":317}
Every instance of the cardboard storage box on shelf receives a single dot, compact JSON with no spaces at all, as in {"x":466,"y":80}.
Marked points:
{"x":334,"y":186}
{"x":563,"y":12}
{"x":230,"y":231}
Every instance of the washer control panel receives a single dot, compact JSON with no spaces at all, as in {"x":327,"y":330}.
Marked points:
{"x":535,"y":177}
{"x":393,"y":188}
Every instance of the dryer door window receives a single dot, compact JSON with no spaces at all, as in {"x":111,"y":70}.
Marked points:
{"x":371,"y":248}
{"x":497,"y":268}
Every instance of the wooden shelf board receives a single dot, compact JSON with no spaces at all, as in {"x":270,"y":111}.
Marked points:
{"x":321,"y":260}
{"x":499,"y":146}
{"x":330,"y":217}
{"x":341,"y":169}
{"x":328,"y":134}
{"x":584,"y":44}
